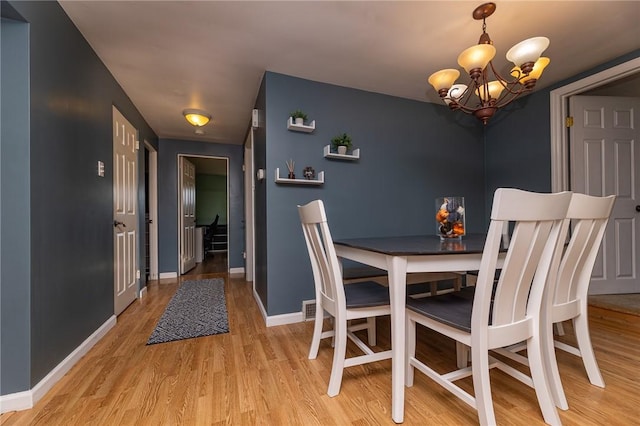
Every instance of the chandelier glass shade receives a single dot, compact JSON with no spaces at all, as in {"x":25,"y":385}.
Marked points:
{"x":487,"y":91}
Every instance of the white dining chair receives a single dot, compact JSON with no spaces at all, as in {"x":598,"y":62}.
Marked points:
{"x":344,"y":303}
{"x":568,"y":291}
{"x":485,"y":317}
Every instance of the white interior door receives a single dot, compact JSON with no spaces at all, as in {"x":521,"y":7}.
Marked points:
{"x":125,"y":212}
{"x":187,"y":172}
{"x":605,"y":160}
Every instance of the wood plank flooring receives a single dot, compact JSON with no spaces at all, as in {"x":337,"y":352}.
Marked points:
{"x":258,"y":375}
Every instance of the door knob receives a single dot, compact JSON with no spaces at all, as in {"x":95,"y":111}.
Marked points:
{"x":638,"y":208}
{"x":118,"y":223}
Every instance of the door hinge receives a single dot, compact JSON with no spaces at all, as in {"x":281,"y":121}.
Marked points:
{"x":137,"y":145}
{"x":568,"y":122}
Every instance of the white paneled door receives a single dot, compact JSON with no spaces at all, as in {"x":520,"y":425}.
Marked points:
{"x":125,"y":212}
{"x":187,"y":171}
{"x":605,"y":160}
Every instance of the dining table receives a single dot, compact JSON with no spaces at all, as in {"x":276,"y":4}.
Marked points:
{"x":402,"y":255}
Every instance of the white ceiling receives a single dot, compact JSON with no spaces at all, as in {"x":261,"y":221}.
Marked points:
{"x":172,"y":55}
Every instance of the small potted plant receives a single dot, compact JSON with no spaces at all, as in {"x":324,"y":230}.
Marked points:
{"x":299,"y":117}
{"x":342,"y":143}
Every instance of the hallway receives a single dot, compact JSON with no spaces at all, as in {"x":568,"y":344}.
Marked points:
{"x":212,"y":264}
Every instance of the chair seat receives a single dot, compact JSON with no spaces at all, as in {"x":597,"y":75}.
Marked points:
{"x":453,"y":308}
{"x":365,"y":294}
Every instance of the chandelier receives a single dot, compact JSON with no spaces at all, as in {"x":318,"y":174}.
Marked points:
{"x":487,"y":90}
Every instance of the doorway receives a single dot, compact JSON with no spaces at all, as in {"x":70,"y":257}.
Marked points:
{"x":560,"y":143}
{"x":212,"y":219}
{"x":151,"y":211}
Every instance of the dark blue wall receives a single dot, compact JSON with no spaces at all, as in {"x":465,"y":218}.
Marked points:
{"x":410,"y":153}
{"x":15,"y":257}
{"x":168,"y":198}
{"x":70,"y":97}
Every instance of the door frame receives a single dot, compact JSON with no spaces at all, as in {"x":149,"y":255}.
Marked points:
{"x":178,"y":210}
{"x":559,"y":110}
{"x":249,"y":214}
{"x":153,"y":210}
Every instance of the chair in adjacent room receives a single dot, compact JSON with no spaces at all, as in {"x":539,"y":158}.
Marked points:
{"x":361,"y":300}
{"x":490,"y":316}
{"x":568,"y":296}
{"x":208,"y":238}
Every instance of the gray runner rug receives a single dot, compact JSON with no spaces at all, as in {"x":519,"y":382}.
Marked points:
{"x":197,"y":309}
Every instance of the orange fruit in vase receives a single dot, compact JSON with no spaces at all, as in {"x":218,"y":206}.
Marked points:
{"x":441,"y":216}
{"x":458,"y":229}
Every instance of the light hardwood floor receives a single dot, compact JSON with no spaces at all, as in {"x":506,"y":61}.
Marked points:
{"x":258,"y":375}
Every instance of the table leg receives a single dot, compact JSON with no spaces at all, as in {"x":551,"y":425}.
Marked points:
{"x":397,"y":267}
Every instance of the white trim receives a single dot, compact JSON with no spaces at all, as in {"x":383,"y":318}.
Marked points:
{"x":283,"y":319}
{"x":260,"y":305}
{"x":236,"y":272}
{"x":153,"y":211}
{"x":166,"y":275}
{"x":558,"y":111}
{"x":178,"y":194}
{"x":26,"y":399}
{"x":143,"y":292}
{"x":249,"y":208}
{"x":16,"y":401}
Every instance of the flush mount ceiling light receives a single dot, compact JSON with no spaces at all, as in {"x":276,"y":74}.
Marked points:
{"x":197,"y":118}
{"x":487,"y":91}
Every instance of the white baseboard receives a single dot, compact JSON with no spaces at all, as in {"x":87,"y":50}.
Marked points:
{"x":26,"y":399}
{"x":283,"y":319}
{"x":16,"y":402}
{"x":236,"y":272}
{"x":165,"y":275}
{"x":260,"y":305}
{"x":274,"y":320}
{"x":143,"y":292}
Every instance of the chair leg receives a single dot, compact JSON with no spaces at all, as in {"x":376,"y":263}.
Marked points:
{"x":482,"y":386}
{"x":559,"y":328}
{"x":433,"y":287}
{"x":551,"y":367}
{"x":457,"y":282}
{"x":410,"y":342}
{"x":581,"y":327}
{"x":317,"y":333}
{"x":339,"y":352}
{"x":371,"y":330}
{"x":462,"y":355}
{"x":540,"y":381}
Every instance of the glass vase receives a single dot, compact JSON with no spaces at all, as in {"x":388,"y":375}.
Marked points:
{"x":450,"y":218}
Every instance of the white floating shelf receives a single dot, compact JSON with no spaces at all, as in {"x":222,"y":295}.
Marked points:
{"x":355,"y":154}
{"x":318,"y":181}
{"x":301,"y":127}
